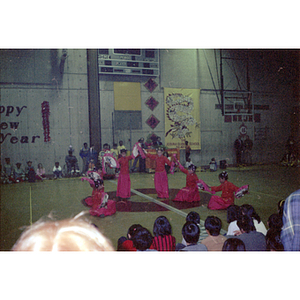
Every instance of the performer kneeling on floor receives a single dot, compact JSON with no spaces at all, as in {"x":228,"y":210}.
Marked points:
{"x":229,"y":191}
{"x":190,"y":192}
{"x":100,"y":205}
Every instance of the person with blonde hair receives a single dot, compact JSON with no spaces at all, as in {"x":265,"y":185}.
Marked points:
{"x":73,"y":234}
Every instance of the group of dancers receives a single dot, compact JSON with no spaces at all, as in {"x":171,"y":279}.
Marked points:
{"x":101,"y":206}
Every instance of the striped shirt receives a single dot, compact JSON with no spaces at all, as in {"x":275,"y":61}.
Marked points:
{"x":164,"y":243}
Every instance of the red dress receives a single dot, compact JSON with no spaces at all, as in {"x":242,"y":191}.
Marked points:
{"x":190,"y":192}
{"x":227,"y":197}
{"x":160,"y":177}
{"x":96,"y":200}
{"x":124,"y":184}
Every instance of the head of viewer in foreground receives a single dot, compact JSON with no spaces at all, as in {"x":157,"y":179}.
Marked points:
{"x":65,"y":235}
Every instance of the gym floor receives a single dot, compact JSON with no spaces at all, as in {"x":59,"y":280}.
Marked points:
{"x":25,"y":203}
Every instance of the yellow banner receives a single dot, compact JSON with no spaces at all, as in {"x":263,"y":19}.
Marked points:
{"x":182,"y":118}
{"x":127,"y":96}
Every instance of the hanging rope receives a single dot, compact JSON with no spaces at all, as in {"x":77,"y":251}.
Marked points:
{"x":212,"y":79}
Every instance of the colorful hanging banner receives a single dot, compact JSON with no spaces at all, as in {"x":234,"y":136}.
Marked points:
{"x":182,"y":118}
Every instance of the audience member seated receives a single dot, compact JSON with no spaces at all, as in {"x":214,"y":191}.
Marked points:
{"x":19,"y":173}
{"x":273,"y":240}
{"x":275,"y":222}
{"x":72,"y":164}
{"x":233,"y":244}
{"x":65,"y":235}
{"x":192,"y":216}
{"x":247,"y":209}
{"x":232,"y":216}
{"x":57,"y":171}
{"x":40,"y":172}
{"x":142,"y":240}
{"x":30,"y":172}
{"x":126,"y":243}
{"x":163,"y":239}
{"x":253,"y":240}
{"x":191,"y":233}
{"x":214,"y":241}
{"x":7,"y":171}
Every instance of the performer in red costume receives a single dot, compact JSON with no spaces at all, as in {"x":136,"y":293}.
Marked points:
{"x":100,"y":205}
{"x":124,"y":184}
{"x":160,"y":177}
{"x":190,"y":192}
{"x":229,"y":191}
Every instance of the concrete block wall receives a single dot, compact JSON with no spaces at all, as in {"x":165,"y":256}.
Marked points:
{"x":69,"y":120}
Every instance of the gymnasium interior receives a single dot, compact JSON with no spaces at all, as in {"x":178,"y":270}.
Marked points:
{"x":101,"y":96}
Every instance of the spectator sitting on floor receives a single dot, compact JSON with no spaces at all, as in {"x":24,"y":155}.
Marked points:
{"x":273,"y":240}
{"x":126,"y":243}
{"x":232,"y":216}
{"x":40,"y":172}
{"x":214,"y":241}
{"x":247,"y":209}
{"x":253,"y":240}
{"x":163,"y":239}
{"x":233,"y":244}
{"x":7,"y":171}
{"x":30,"y":172}
{"x":142,"y":240}
{"x":191,"y":234}
{"x":19,"y":174}
{"x":192,"y":216}
{"x":57,"y":171}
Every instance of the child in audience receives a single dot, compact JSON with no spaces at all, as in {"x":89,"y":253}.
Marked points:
{"x":142,"y":240}
{"x":7,"y":171}
{"x":57,"y":171}
{"x":227,"y":197}
{"x":126,"y":244}
{"x":273,"y":240}
{"x":114,"y":151}
{"x":120,"y":147}
{"x":160,"y":177}
{"x":124,"y":184}
{"x":193,"y":216}
{"x":253,"y":240}
{"x":188,"y":163}
{"x":232,"y":216}
{"x":233,"y":244}
{"x":213,"y":165}
{"x":190,"y":193}
{"x":30,"y":172}
{"x":40,"y":172}
{"x":214,"y":241}
{"x":19,"y":173}
{"x":247,"y":209}
{"x":191,"y":234}
{"x":275,"y":222}
{"x":163,"y":239}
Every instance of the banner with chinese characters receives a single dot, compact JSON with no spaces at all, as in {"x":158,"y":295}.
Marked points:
{"x":182,"y":118}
